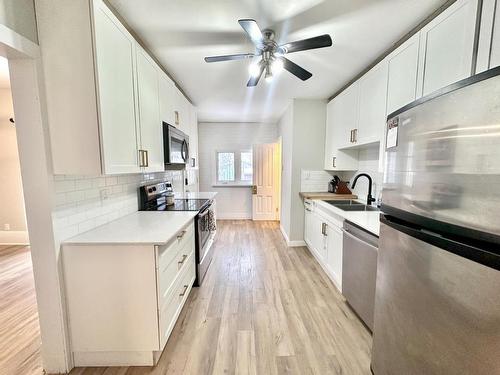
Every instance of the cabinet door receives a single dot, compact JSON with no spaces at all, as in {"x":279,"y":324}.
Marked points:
{"x":402,"y":74}
{"x":372,"y":105}
{"x":335,"y":159}
{"x":495,"y":39}
{"x":447,"y":47}
{"x":151,"y":132}
{"x":193,"y":136}
{"x":334,"y":250}
{"x":181,"y":111}
{"x":115,"y":56}
{"x":315,"y":235}
{"x":345,"y":115}
{"x":167,"y":99}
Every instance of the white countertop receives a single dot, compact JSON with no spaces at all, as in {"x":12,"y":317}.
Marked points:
{"x":368,"y":220}
{"x":196,"y":195}
{"x":141,"y":228}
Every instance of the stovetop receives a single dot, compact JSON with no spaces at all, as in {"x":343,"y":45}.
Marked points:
{"x":180,"y":205}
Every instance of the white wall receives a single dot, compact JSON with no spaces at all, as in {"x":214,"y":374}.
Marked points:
{"x":12,"y":211}
{"x":232,"y":202}
{"x":303,"y":130}
{"x":285,"y":128}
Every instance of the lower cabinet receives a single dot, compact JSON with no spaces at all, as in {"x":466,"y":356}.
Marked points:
{"x":123,"y":300}
{"x":323,"y":236}
{"x":334,"y":248}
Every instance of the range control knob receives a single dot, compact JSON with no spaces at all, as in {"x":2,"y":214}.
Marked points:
{"x":150,"y":190}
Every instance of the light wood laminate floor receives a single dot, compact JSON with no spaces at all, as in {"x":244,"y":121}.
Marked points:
{"x":263,"y":309}
{"x":19,"y":327}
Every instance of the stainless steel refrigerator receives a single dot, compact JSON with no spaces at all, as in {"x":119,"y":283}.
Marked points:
{"x":437,"y":305}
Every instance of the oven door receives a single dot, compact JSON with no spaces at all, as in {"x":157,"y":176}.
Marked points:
{"x":205,"y":230}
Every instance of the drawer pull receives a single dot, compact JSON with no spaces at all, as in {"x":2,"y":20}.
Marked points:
{"x":179,"y":237}
{"x":184,"y":291}
{"x":181,"y":262}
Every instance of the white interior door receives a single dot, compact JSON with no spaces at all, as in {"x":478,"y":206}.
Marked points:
{"x":265,"y":182}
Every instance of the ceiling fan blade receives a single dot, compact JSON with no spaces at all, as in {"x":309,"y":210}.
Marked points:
{"x":240,"y":56}
{"x":305,"y":44}
{"x":254,"y":80}
{"x":295,"y":69}
{"x":253,"y":30}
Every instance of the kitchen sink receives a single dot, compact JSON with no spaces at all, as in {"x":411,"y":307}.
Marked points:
{"x":356,"y":207}
{"x":348,"y":202}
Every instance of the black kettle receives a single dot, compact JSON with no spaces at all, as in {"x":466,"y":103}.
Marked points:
{"x":332,"y":185}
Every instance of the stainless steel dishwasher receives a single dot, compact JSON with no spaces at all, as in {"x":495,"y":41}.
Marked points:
{"x":359,"y":270}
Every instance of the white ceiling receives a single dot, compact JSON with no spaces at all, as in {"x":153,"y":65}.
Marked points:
{"x":181,"y":33}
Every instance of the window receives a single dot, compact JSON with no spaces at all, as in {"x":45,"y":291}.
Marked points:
{"x":234,"y":167}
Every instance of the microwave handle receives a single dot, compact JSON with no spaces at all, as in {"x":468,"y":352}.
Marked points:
{"x":185,"y":152}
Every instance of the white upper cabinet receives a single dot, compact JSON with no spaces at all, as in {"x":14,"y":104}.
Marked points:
{"x":495,"y":39}
{"x":167,"y":99}
{"x":115,"y":55}
{"x":372,"y":105}
{"x":447,"y":47}
{"x":106,"y":96}
{"x":488,"y":54}
{"x":193,"y":137}
{"x":336,"y":132}
{"x":402,"y":74}
{"x":151,"y":131}
{"x":345,"y":115}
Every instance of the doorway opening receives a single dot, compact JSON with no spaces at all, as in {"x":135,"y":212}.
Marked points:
{"x":20,"y":341}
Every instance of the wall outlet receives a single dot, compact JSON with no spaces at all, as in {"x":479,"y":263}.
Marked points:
{"x":104,"y":194}
{"x":6,"y":227}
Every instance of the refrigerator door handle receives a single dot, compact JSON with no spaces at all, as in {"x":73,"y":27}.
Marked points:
{"x":475,"y":251}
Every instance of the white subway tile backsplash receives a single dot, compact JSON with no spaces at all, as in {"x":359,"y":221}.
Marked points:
{"x":314,"y":181}
{"x":83,"y":203}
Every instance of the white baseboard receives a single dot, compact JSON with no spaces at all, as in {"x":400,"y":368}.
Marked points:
{"x":291,"y":243}
{"x":234,"y":216}
{"x":13,"y":237}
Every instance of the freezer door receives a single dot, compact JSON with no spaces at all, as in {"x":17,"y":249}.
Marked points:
{"x":446,"y":163}
{"x":436,"y":313}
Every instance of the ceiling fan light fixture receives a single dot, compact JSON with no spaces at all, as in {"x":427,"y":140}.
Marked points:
{"x":254,"y":70}
{"x":269,"y":76}
{"x":277,"y":66}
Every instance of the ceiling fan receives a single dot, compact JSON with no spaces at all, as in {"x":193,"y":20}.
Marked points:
{"x":272,"y":54}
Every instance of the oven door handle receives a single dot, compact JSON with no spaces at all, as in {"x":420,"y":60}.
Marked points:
{"x":203,"y":213}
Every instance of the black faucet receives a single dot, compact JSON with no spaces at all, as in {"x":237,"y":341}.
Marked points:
{"x":369,"y":199}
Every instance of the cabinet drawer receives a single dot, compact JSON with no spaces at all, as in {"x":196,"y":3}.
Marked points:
{"x":168,"y":275}
{"x":167,"y":253}
{"x":175,"y":299}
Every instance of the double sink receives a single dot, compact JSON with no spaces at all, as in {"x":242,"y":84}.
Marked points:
{"x":350,"y":205}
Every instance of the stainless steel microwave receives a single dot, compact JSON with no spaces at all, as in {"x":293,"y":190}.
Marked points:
{"x":176,"y":147}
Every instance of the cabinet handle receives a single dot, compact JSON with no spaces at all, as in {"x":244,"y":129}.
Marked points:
{"x":179,"y":237}
{"x":141,"y":158}
{"x":355,"y":132}
{"x":146,"y":159}
{"x":184,"y":291}
{"x":176,"y":117}
{"x":334,"y":159}
{"x":350,"y":139}
{"x":181,"y":262}
{"x":307,"y":209}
